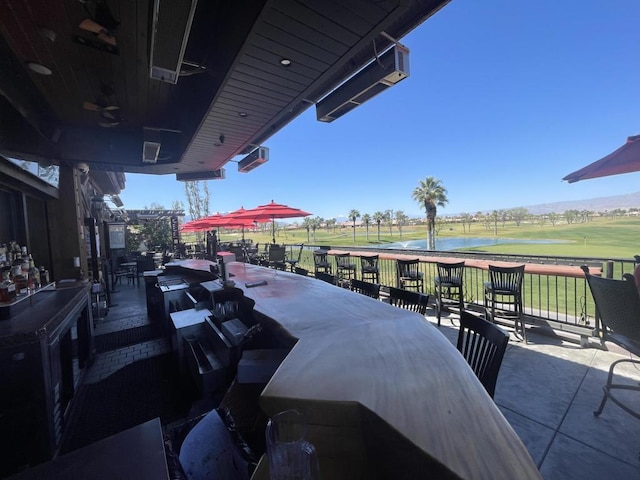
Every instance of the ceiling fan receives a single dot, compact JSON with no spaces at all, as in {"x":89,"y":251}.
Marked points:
{"x":100,"y":22}
{"x":105,"y":104}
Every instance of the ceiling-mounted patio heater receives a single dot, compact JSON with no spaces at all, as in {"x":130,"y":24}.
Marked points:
{"x":383,"y":72}
{"x":218,"y":174}
{"x":256,"y":158}
{"x":171,"y":25}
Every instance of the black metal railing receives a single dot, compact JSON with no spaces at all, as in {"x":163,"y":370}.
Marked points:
{"x":559,"y":301}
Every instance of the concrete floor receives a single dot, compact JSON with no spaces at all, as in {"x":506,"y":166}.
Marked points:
{"x":547,"y":390}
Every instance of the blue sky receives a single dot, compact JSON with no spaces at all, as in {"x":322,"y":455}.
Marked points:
{"x":504,"y":99}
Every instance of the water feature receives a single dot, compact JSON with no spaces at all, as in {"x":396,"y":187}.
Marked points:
{"x":454,"y":243}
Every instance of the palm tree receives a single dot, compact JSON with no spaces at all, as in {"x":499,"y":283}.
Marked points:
{"x":366,"y":219}
{"x":378,"y":217}
{"x":306,"y":224}
{"x":354,"y":215}
{"x":430,"y":194}
{"x":401,"y":220}
{"x":388,"y":217}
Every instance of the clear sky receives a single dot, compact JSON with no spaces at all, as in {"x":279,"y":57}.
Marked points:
{"x":504,"y":99}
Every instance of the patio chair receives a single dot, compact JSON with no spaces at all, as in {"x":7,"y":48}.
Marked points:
{"x":618,"y":306}
{"x":344,"y":267}
{"x":369,"y":268}
{"x":321,"y":263}
{"x":448,"y":286}
{"x":409,"y":275}
{"x":365,"y":288}
{"x":292,"y":261}
{"x":277,"y":254}
{"x":503,"y":294}
{"x":326,"y":277}
{"x":409,"y":300}
{"x":482,"y":344}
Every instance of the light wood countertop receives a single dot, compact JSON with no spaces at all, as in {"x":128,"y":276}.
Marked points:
{"x":386,"y":395}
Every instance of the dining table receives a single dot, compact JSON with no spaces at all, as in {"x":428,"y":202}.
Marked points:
{"x":384,"y":393}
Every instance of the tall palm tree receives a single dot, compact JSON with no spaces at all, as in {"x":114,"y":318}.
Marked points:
{"x":401,"y":220}
{"x":366,"y":219}
{"x":378,"y":217}
{"x":306,"y":224}
{"x":388,"y":217}
{"x":430,"y":194}
{"x":354,"y":215}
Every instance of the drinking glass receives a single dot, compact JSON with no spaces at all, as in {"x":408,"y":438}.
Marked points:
{"x":291,"y":456}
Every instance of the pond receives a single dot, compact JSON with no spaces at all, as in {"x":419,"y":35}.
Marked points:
{"x":454,"y":243}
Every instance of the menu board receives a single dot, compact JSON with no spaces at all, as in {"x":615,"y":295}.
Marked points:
{"x":116,"y":235}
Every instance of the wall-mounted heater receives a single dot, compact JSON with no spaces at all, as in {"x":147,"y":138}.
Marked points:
{"x":170,"y":26}
{"x":150,"y":152}
{"x":382,"y":73}
{"x":218,"y":174}
{"x":256,"y":158}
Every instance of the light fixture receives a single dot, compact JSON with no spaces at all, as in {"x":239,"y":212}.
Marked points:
{"x":242,"y":114}
{"x":117,"y":201}
{"x":39,"y":68}
{"x":218,"y":174}
{"x":256,"y":158}
{"x":220,"y":141}
{"x":383,"y":72}
{"x":150,"y":151}
{"x":285,"y":62}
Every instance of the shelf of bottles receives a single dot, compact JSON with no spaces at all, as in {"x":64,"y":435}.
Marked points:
{"x":20,"y":276}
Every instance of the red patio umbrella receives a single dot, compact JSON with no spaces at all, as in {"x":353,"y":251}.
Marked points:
{"x":625,"y":159}
{"x":231,"y":220}
{"x":270,"y":212}
{"x":205,"y":223}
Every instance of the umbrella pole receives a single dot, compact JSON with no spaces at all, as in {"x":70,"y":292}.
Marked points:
{"x":273,"y":229}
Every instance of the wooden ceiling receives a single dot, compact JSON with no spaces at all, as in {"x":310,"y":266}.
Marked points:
{"x":240,"y":96}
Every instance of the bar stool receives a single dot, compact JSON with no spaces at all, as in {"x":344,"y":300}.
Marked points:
{"x":369,"y":268}
{"x":408,"y":274}
{"x":503,"y":293}
{"x":344,"y":267}
{"x":321,"y":263}
{"x":448,"y":286}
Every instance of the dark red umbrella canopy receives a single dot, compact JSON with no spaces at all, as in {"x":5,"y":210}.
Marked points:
{"x":270,"y":212}
{"x":625,"y":159}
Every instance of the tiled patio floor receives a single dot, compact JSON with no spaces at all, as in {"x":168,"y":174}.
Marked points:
{"x":547,"y":390}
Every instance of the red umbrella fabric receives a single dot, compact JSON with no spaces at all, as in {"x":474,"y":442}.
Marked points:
{"x":625,"y":159}
{"x":270,"y":212}
{"x":205,"y":223}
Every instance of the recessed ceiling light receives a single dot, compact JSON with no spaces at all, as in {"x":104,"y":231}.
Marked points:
{"x":242,"y":114}
{"x":285,"y":62}
{"x":38,"y":68}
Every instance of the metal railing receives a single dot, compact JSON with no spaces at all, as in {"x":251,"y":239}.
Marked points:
{"x":556,"y":301}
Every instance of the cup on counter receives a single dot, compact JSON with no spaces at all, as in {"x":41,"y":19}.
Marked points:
{"x":291,"y":455}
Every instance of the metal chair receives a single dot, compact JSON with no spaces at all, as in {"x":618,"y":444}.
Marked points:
{"x":503,"y":293}
{"x":344,"y":267}
{"x":482,"y":344}
{"x":365,"y":288}
{"x":276,"y":259}
{"x":409,"y":275}
{"x":326,"y":277}
{"x":301,"y":271}
{"x":618,"y":306}
{"x":369,"y":270}
{"x":409,"y":300}
{"x":448,"y":286}
{"x":291,"y":261}
{"x":321,"y":263}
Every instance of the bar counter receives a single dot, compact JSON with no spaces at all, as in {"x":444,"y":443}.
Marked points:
{"x":386,"y":395}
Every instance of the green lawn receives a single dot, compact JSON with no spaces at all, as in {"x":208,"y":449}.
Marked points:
{"x":601,"y":237}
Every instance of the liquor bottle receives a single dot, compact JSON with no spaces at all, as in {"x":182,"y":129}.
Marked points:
{"x":7,"y":287}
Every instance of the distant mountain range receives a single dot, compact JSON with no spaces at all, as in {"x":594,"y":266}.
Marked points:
{"x":601,"y":204}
